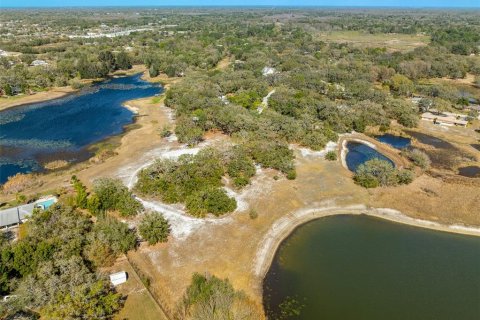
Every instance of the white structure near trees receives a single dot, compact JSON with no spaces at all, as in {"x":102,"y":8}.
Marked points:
{"x":268,"y":71}
{"x":36,"y":63}
{"x":118,"y":278}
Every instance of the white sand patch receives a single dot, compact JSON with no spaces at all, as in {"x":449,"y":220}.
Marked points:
{"x":264,"y":103}
{"x":343,"y":154}
{"x":260,"y":185}
{"x":131,"y":177}
{"x":182,"y":225}
{"x":169,"y":112}
{"x":330,"y":146}
{"x":368,"y":143}
{"x":128,"y":173}
{"x":172,"y":138}
{"x":396,"y":215}
{"x":241,"y":204}
{"x":131,"y":108}
{"x":465,"y":228}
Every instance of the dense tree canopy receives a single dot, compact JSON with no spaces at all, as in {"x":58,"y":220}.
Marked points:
{"x":47,"y":271}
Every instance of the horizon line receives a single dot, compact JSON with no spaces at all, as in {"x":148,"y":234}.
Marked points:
{"x":243,"y":6}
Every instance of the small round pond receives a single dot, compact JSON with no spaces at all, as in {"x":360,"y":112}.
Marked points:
{"x":359,"y":153}
{"x":397,"y":142}
{"x":470,"y":171}
{"x":431,"y":140}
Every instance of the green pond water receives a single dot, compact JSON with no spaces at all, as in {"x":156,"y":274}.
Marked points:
{"x":359,"y":267}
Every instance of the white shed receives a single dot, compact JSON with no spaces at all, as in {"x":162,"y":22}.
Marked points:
{"x":118,"y":278}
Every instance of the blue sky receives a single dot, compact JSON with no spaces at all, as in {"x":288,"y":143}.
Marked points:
{"x":382,"y":3}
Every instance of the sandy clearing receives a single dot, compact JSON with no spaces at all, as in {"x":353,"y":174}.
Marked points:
{"x":182,"y":225}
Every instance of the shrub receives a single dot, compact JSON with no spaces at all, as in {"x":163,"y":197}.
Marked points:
{"x":240,"y":167}
{"x":76,"y":84}
{"x":292,"y":174}
{"x":115,"y":234}
{"x":366,"y":180}
{"x":194,"y":180}
{"x":113,"y":195}
{"x":100,"y":254}
{"x":211,"y":200}
{"x":376,"y":172}
{"x":188,"y":132}
{"x":94,"y":205}
{"x":314,"y":140}
{"x":253,"y":214}
{"x":208,"y":297}
{"x":154,"y":228}
{"x":405,"y":176}
{"x":81,"y":192}
{"x":331,"y":156}
{"x":272,"y":154}
{"x":418,"y":157}
{"x":165,"y":132}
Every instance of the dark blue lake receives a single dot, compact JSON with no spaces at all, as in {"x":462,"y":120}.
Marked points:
{"x":359,"y":153}
{"x":35,"y":134}
{"x":397,"y":142}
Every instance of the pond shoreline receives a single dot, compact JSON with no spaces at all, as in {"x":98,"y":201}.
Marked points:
{"x":37,"y":97}
{"x":386,"y":150}
{"x":62,"y":92}
{"x":283,"y":227}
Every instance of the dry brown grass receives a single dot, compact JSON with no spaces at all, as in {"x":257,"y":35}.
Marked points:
{"x":20,"y":182}
{"x":139,"y":305}
{"x":57,"y":164}
{"x":391,"y":41}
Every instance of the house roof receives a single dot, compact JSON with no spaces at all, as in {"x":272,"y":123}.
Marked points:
{"x":445,"y":118}
{"x":12,"y":216}
{"x":15,"y":215}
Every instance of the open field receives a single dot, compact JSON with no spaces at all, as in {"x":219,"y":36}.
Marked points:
{"x":391,"y":41}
